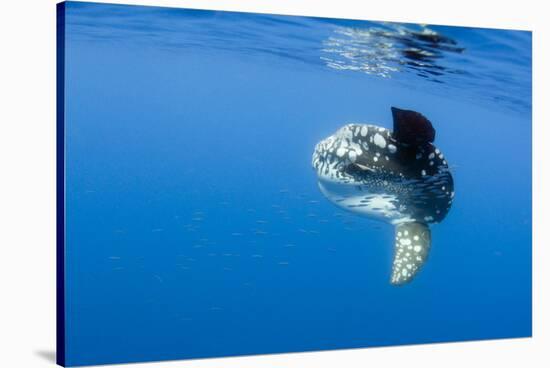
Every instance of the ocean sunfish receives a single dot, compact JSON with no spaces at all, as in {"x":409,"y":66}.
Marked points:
{"x":396,"y":176}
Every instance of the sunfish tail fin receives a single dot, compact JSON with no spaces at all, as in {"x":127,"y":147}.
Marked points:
{"x":412,"y":244}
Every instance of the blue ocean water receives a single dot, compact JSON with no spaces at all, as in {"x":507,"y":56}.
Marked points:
{"x":195,"y":227}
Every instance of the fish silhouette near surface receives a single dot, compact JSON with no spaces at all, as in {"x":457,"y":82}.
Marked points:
{"x":398,"y":177}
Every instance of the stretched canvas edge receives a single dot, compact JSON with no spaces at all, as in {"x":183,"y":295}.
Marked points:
{"x":60,"y":185}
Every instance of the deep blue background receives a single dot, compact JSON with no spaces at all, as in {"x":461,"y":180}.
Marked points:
{"x":194,"y":224}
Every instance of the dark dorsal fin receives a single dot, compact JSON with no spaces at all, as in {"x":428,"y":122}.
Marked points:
{"x":411,"y":127}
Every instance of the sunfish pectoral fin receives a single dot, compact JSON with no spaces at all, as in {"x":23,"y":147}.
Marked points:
{"x":412,"y":244}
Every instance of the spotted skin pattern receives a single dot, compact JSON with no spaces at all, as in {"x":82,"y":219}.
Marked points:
{"x":365,"y":170}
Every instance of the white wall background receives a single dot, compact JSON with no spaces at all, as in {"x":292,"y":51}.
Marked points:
{"x":27,"y":181}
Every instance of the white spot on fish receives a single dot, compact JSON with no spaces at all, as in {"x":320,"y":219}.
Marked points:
{"x":379,"y":141}
{"x":364,"y":131}
{"x":392,"y":148}
{"x":405,"y":241}
{"x":340,"y":152}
